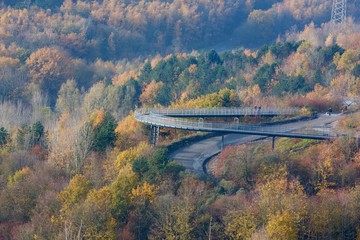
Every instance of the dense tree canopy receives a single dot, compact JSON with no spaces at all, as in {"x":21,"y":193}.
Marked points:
{"x":75,"y":164}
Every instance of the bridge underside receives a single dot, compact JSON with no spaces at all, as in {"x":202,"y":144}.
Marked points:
{"x":154,"y":133}
{"x":268,"y":134}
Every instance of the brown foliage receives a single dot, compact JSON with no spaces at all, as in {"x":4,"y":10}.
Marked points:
{"x":38,"y":151}
{"x":328,"y":165}
{"x":319,"y":100}
{"x":49,"y":67}
{"x":239,"y":165}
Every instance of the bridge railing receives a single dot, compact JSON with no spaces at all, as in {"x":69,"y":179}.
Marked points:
{"x":220,"y":111}
{"x":160,"y":120}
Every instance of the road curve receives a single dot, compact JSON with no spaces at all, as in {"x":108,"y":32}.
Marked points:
{"x":193,"y":156}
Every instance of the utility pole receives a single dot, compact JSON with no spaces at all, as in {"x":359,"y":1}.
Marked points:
{"x":338,"y":12}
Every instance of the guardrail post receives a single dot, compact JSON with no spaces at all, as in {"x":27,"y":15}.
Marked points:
{"x":201,"y":122}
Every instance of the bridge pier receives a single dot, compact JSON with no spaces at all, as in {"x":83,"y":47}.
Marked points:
{"x":222,"y":142}
{"x":154,"y":134}
{"x":273,"y":143}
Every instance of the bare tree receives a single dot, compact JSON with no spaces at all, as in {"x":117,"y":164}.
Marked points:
{"x":70,"y":144}
{"x":13,"y":115}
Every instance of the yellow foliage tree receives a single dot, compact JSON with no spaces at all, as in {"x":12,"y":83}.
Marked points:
{"x":20,"y":175}
{"x":121,"y":189}
{"x":176,"y":215}
{"x":318,"y":92}
{"x":128,"y":156}
{"x":348,"y":60}
{"x":278,"y":193}
{"x":282,"y":226}
{"x":326,"y":214}
{"x":76,"y":191}
{"x":251,"y":96}
{"x":72,"y":197}
{"x":240,"y":225}
{"x":97,"y":217}
{"x":143,"y":194}
{"x":123,"y":78}
{"x":224,"y":98}
{"x":129,"y":133}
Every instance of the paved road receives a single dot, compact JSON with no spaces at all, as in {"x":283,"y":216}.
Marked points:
{"x":193,"y":156}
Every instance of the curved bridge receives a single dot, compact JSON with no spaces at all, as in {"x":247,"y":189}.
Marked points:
{"x":171,"y":118}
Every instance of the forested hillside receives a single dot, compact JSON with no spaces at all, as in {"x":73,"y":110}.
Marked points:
{"x":75,"y":164}
{"x":113,"y":29}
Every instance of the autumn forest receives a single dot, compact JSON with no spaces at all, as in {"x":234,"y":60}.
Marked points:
{"x":75,"y":164}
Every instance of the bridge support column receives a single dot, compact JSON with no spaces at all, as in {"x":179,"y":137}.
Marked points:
{"x":273,"y":143}
{"x":222,"y":142}
{"x":154,"y":135}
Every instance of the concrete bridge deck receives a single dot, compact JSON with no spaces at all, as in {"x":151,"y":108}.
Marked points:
{"x":162,"y":119}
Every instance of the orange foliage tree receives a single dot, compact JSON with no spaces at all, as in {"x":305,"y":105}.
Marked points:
{"x":49,"y":68}
{"x":150,"y":93}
